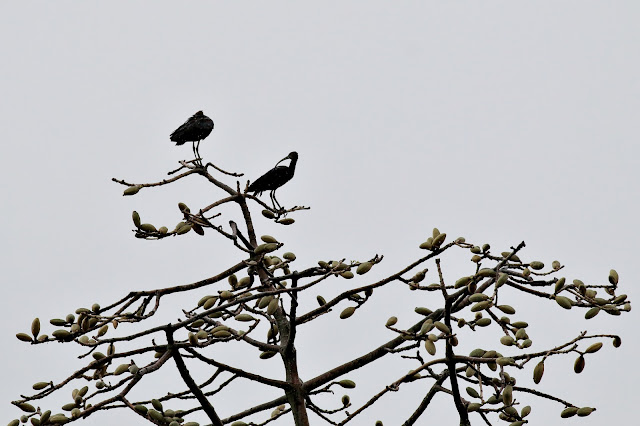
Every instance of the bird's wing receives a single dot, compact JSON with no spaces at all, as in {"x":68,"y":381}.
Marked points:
{"x":179,"y":135}
{"x":269,"y":180}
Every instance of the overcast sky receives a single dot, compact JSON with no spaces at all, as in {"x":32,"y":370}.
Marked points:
{"x":497,"y":121}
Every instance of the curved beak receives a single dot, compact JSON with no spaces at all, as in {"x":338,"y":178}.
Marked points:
{"x":285,"y":158}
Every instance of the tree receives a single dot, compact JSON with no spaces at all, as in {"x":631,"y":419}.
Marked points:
{"x":265,"y":299}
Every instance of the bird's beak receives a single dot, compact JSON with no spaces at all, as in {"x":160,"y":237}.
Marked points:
{"x":285,"y":158}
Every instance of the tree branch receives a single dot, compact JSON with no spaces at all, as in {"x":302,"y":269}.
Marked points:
{"x":451,"y":363}
{"x":237,"y":371}
{"x":427,"y":399}
{"x":188,"y":380}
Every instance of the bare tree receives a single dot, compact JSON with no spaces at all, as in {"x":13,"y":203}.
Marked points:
{"x":265,"y":299}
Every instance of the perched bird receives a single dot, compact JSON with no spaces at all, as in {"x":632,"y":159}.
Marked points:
{"x":195,"y":129}
{"x":275,"y":178}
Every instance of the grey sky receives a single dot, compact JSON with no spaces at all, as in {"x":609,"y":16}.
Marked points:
{"x":497,"y":121}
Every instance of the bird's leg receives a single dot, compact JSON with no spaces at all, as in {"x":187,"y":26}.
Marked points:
{"x":275,"y":201}
{"x":193,"y":148}
{"x":198,"y":153}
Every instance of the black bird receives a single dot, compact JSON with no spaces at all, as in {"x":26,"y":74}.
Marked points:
{"x":275,"y":178}
{"x":195,"y":129}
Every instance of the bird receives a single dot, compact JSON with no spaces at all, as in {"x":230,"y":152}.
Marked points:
{"x":275,"y":178}
{"x":195,"y":129}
